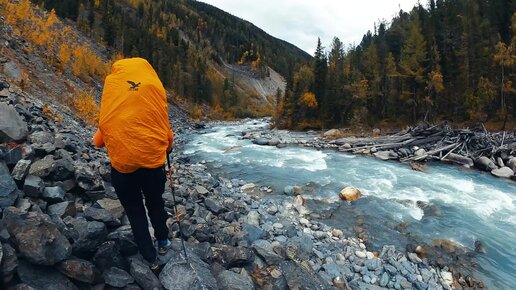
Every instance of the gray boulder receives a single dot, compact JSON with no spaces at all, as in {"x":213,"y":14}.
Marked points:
{"x":38,"y":238}
{"x":101,"y":215}
{"x":264,"y":250}
{"x":124,"y":239}
{"x":53,"y":194}
{"x":385,"y":155}
{"x":63,"y":169}
{"x":43,"y":278}
{"x":21,"y":169}
{"x":231,"y":257}
{"x":486,"y":164}
{"x":13,"y":155}
{"x":213,"y":205}
{"x":300,"y":277}
{"x":9,"y":261}
{"x":12,"y":71}
{"x":512,"y":164}
{"x":8,"y":189}
{"x":43,"y":167}
{"x":80,"y":270}
{"x":108,"y":255}
{"x":261,"y":141}
{"x":12,"y":126}
{"x":86,"y":236}
{"x":232,"y":281}
{"x":504,"y":172}
{"x":33,"y":186}
{"x":459,"y":159}
{"x":117,"y":277}
{"x":300,"y":248}
{"x":87,"y":178}
{"x":274,"y":142}
{"x":113,"y":206}
{"x":62,"y":209}
{"x":41,"y":137}
{"x":144,"y":276}
{"x":194,"y":274}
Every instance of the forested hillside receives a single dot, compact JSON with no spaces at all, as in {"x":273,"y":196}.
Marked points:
{"x":184,"y":40}
{"x":446,"y":60}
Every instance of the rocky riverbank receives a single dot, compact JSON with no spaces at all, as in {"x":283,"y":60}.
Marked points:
{"x":63,"y":228}
{"x":485,"y":151}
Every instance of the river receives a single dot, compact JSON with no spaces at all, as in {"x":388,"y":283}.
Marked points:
{"x":462,"y":206}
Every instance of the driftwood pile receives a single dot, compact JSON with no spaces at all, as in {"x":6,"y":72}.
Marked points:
{"x":439,"y":142}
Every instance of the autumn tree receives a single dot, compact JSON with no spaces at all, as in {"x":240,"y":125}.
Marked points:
{"x":412,"y":66}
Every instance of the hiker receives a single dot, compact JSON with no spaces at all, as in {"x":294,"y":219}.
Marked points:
{"x":134,"y":128}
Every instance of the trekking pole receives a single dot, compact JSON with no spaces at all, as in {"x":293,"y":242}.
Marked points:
{"x":178,"y":220}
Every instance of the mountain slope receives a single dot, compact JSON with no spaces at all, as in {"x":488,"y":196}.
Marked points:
{"x":189,"y":43}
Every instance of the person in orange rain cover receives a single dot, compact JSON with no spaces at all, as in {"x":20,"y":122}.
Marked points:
{"x":135,"y":129}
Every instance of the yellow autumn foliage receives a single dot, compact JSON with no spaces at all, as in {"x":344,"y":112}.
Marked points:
{"x":86,"y":108}
{"x":308,"y":100}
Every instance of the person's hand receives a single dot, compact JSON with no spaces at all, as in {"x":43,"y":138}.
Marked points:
{"x":169,"y":147}
{"x":98,"y":139}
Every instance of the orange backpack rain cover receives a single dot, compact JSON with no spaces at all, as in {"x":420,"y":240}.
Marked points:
{"x":134,"y":116}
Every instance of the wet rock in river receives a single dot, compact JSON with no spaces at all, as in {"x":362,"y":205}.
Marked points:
{"x":486,"y":164}
{"x":350,"y":194}
{"x":504,"y":172}
{"x":512,"y":164}
{"x":261,"y":141}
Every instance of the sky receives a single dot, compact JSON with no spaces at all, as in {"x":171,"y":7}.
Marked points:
{"x":301,"y":22}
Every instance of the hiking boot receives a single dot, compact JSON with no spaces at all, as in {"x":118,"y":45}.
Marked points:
{"x":155,"y":267}
{"x":164,"y":246}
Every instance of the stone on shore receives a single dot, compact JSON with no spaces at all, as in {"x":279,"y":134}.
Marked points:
{"x":486,"y":164}
{"x":43,"y":167}
{"x":512,"y":164}
{"x":194,"y":274}
{"x":504,"y":172}
{"x":21,"y":170}
{"x":86,"y":235}
{"x":385,"y":155}
{"x":12,"y":126}
{"x":292,"y":190}
{"x":229,"y":280}
{"x":53,"y":194}
{"x":459,"y":159}
{"x":43,"y":278}
{"x":261,"y":141}
{"x":39,"y":240}
{"x":350,"y":194}
{"x":8,"y":189}
{"x":264,"y":250}
{"x":117,"y":277}
{"x":62,"y":209}
{"x":143,"y":275}
{"x":248,"y":187}
{"x":33,"y":186}
{"x":80,"y":270}
{"x":332,"y":133}
{"x":299,"y":277}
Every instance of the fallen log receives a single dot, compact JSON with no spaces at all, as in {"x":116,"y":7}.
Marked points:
{"x":429,"y":153}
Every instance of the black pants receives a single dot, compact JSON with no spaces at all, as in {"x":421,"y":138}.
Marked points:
{"x":129,"y":188}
